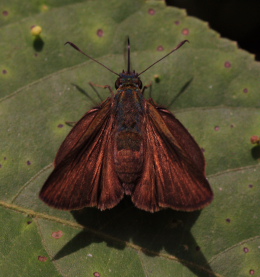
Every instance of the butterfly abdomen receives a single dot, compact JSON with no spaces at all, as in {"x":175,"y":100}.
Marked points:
{"x":128,"y":147}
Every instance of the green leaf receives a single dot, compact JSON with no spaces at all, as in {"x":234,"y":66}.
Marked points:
{"x":210,"y":85}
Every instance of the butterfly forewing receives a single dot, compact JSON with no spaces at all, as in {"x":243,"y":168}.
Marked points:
{"x":170,"y":178}
{"x":85,"y":175}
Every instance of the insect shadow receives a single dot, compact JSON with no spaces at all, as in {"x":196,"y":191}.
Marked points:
{"x":182,"y":90}
{"x":38,"y":44}
{"x":166,"y":231}
{"x":84,"y":92}
{"x":255,"y":152}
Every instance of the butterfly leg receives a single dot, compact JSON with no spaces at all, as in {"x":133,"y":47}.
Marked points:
{"x":100,"y":86}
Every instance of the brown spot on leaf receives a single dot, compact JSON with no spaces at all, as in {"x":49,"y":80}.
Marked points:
{"x":255,"y":139}
{"x":160,"y":48}
{"x":227,"y":64}
{"x":100,"y":33}
{"x":185,"y":31}
{"x":42,"y":258}
{"x":151,"y":11}
{"x":57,"y":235}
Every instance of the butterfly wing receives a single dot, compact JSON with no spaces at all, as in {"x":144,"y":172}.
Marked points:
{"x":84,"y":173}
{"x":174,"y":169}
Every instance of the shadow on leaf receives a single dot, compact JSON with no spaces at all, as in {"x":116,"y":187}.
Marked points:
{"x":163,"y":233}
{"x":255,"y":151}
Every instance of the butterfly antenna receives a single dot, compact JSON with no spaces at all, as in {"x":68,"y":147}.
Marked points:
{"x":128,"y":56}
{"x":76,"y":47}
{"x":180,"y":45}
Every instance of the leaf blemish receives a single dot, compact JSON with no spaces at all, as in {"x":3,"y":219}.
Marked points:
{"x":251,"y":272}
{"x":96,"y":274}
{"x":246,"y":250}
{"x":185,"y":31}
{"x":177,"y":22}
{"x":5,"y":13}
{"x":245,"y":90}
{"x":160,"y":48}
{"x":151,"y":11}
{"x":250,"y":186}
{"x":228,"y":220}
{"x":57,"y":235}
{"x":100,"y":33}
{"x":227,"y":64}
{"x":28,"y":163}
{"x":157,"y":78}
{"x":216,"y":128}
{"x":60,"y":126}
{"x":4,"y":71}
{"x":42,"y":258}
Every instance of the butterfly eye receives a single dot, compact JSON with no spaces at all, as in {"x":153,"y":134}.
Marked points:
{"x":140,"y":84}
{"x":117,"y":83}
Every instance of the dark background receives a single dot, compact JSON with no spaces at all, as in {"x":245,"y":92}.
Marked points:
{"x":238,"y":20}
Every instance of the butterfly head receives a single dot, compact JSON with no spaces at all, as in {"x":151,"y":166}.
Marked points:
{"x":128,"y":79}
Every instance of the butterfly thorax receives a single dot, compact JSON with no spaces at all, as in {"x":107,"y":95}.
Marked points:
{"x":129,"y":146}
